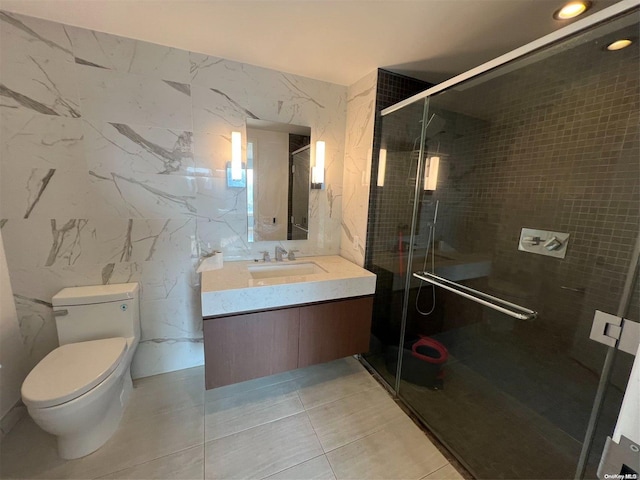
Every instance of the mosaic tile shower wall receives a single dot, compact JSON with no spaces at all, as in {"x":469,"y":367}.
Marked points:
{"x":388,"y":205}
{"x":554,"y":146}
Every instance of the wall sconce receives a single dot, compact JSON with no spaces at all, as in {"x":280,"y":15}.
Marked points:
{"x":236,"y":176}
{"x":317,"y":172}
{"x":431,"y":174}
{"x":382,"y":166}
{"x":236,"y":156}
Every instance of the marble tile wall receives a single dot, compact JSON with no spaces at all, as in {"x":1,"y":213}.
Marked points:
{"x":361,"y":102}
{"x":113,"y":155}
{"x":12,"y":353}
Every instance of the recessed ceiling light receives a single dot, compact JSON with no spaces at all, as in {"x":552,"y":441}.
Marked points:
{"x":619,"y":44}
{"x":572,"y":10}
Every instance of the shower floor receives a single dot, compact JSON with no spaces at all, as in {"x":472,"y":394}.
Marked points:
{"x":508,"y":409}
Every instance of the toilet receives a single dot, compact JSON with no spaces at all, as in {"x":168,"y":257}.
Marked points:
{"x":79,"y":391}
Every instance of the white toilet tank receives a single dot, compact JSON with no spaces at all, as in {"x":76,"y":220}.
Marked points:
{"x":97,"y":311}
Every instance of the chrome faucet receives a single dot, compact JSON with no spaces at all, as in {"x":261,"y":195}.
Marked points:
{"x":279,"y":252}
{"x":265,"y":256}
{"x":292,"y":254}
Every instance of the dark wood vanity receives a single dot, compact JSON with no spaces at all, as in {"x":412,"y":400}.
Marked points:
{"x":257,"y":344}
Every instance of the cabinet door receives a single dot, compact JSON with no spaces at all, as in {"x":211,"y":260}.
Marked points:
{"x":329,"y":331}
{"x":242,"y":347}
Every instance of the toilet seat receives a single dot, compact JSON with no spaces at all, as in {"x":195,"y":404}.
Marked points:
{"x":72,"y":370}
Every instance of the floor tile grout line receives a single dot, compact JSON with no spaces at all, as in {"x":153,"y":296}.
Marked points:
{"x":314,"y":432}
{"x":340,"y":398}
{"x":254,"y":426}
{"x":381,"y":427}
{"x":146,"y":418}
{"x":292,"y":466}
{"x":436,"y":470}
{"x":246,"y":391}
{"x":331,"y":467}
{"x":270,"y":404}
{"x":170,"y":411}
{"x":261,"y":409}
{"x":146,"y":461}
{"x":320,"y":443}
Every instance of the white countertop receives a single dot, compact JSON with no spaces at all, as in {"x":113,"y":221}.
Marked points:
{"x":232,"y":289}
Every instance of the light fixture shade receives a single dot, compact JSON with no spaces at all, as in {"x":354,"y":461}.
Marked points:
{"x":572,"y":9}
{"x":619,"y":44}
{"x":382,"y":166}
{"x":317,"y":172}
{"x":236,"y":155}
{"x":431,"y":174}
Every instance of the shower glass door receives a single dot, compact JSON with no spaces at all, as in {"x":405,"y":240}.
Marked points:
{"x":389,"y":238}
{"x":494,"y":347}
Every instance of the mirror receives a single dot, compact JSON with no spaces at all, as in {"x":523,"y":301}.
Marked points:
{"x":278,"y":180}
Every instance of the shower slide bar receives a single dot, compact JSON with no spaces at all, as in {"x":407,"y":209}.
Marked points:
{"x":508,"y":308}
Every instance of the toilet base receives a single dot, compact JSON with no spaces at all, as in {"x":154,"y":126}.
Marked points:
{"x":76,"y":446}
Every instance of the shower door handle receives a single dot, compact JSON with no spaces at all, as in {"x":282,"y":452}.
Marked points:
{"x":508,"y":308}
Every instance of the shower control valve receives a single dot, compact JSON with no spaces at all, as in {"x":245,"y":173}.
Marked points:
{"x":543,"y":242}
{"x":532,"y":240}
{"x":553,"y":243}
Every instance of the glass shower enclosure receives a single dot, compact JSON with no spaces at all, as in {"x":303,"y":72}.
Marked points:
{"x":504,"y":213}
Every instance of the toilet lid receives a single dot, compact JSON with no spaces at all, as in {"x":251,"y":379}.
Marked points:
{"x":71,"y":370}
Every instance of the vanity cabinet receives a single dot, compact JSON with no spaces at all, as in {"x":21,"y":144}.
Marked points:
{"x":334,"y":330}
{"x":252,"y":345}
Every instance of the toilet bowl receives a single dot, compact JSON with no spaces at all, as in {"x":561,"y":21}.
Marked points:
{"x":79,"y":391}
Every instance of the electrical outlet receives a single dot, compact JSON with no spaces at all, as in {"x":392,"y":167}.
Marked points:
{"x":356,"y":242}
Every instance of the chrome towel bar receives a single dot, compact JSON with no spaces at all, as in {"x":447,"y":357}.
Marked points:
{"x":508,"y":308}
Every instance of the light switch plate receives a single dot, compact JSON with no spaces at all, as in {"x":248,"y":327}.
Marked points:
{"x":533,"y":241}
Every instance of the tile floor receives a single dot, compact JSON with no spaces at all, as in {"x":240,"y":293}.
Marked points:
{"x":329,"y":421}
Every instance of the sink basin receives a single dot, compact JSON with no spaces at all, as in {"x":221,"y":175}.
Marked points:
{"x":284,"y":270}
{"x":248,"y":286}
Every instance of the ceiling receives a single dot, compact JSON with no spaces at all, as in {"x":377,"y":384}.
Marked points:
{"x":338,"y":41}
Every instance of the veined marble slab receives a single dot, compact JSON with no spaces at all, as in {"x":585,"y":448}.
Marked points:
{"x":42,"y":85}
{"x":132,"y":100}
{"x":118,"y":147}
{"x":32,"y":140}
{"x":113,"y":160}
{"x":22,"y":36}
{"x":232,"y":290}
{"x":111,"y":52}
{"x":361,"y":98}
{"x":43,"y":193}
